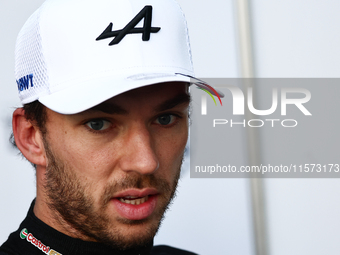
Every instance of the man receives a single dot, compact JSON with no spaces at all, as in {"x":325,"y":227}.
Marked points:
{"x":104,"y":88}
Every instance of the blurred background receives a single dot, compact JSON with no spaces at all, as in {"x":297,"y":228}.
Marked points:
{"x":229,"y":38}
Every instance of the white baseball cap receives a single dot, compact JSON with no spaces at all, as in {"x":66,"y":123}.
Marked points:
{"x":74,"y":54}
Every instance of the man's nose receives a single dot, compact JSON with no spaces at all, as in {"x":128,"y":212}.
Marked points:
{"x":139,"y":152}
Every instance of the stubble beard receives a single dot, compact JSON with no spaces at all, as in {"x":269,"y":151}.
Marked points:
{"x":71,"y":204}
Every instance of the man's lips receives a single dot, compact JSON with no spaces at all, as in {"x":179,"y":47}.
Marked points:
{"x":135,"y":204}
{"x":136,"y":193}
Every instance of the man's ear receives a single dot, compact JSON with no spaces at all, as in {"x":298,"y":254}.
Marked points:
{"x":28,"y":138}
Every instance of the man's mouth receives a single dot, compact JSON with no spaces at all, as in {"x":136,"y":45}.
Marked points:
{"x":135,"y":204}
{"x":133,"y":200}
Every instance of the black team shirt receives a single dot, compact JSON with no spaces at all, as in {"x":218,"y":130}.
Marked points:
{"x":35,"y":237}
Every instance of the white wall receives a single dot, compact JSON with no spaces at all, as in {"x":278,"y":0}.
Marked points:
{"x":299,"y":38}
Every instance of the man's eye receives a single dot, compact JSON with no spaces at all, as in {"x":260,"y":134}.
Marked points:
{"x":166,"y":119}
{"x":98,"y":125}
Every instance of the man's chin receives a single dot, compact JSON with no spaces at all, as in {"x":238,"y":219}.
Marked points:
{"x":132,"y":234}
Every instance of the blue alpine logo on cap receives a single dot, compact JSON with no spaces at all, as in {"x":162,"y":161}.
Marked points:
{"x":25,"y":82}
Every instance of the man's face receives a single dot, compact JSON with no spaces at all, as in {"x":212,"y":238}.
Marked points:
{"x":112,"y":170}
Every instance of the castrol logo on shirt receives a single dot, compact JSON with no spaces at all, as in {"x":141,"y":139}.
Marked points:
{"x":24,"y":234}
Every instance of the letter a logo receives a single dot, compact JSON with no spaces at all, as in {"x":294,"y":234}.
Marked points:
{"x":131,"y":28}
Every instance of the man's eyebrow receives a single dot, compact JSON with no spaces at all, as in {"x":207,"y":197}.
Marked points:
{"x":109,"y":108}
{"x":171,"y":103}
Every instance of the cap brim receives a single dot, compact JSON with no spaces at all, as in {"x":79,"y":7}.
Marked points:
{"x":87,"y":94}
